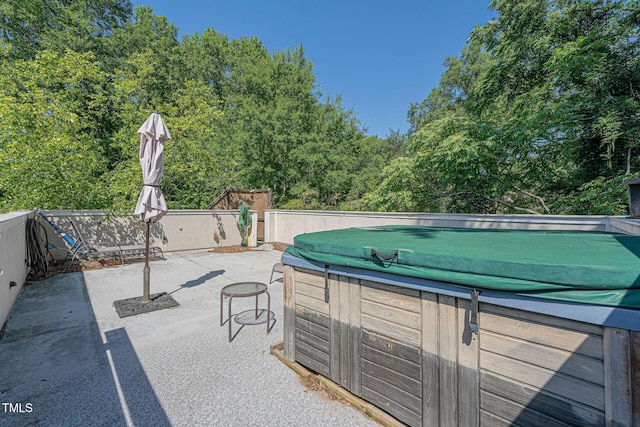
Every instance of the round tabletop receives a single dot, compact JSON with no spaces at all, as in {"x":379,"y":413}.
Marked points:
{"x":244,"y":289}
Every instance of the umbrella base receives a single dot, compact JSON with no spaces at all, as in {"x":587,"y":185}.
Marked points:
{"x":133,"y":306}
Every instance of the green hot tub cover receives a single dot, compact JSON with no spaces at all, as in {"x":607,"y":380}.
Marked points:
{"x":585,"y":267}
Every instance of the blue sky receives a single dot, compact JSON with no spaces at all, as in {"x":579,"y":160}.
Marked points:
{"x":380,"y":55}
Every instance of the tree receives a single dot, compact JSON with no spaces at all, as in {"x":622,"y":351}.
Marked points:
{"x":192,"y":171}
{"x":570,"y":69}
{"x":397,"y":190}
{"x":148,"y":47}
{"x":32,"y":26}
{"x":538,"y":113}
{"x":51,"y":145}
{"x":239,"y":115}
{"x":206,"y":57}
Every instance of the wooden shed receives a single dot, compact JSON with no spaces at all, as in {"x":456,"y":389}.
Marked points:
{"x":259,"y":200}
{"x":438,"y":353}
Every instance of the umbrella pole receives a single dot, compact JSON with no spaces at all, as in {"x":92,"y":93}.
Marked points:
{"x":145,"y":285}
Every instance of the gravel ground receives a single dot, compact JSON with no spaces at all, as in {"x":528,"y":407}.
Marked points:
{"x":67,"y":354}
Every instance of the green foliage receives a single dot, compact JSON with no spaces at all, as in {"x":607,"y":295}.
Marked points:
{"x":191,"y":167}
{"x":539,"y":114}
{"x":569,"y":71}
{"x":79,"y":25}
{"x":396,"y":192}
{"x":79,"y":78}
{"x":601,"y":196}
{"x":51,"y":141}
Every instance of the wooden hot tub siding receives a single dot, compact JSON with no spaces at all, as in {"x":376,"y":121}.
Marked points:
{"x":411,"y":353}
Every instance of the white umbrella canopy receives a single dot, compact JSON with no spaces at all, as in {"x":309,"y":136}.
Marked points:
{"x":151,"y":205}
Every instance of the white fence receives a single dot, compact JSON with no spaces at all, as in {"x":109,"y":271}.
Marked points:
{"x":177,"y":231}
{"x":283,"y":226}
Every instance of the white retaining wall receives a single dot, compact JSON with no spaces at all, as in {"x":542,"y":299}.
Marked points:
{"x":13,"y":256}
{"x":177,"y":231}
{"x":284,"y":225}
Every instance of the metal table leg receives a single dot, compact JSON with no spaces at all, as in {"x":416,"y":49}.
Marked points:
{"x":229,"y":320}
{"x":257,"y":306}
{"x":268,"y":310}
{"x":221,"y":305}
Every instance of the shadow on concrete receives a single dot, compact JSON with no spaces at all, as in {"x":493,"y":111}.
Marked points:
{"x":199,"y":281}
{"x":56,"y":370}
{"x":249,"y":318}
{"x":140,"y":399}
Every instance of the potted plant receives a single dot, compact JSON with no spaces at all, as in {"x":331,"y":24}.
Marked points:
{"x":244,"y":223}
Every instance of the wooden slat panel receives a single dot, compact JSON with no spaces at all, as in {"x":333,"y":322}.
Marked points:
{"x":355,"y":385}
{"x":409,"y":385}
{"x":394,"y":348}
{"x":617,"y":374}
{"x":516,"y":413}
{"x":487,"y":419}
{"x":344,"y":299}
{"x":392,"y":314}
{"x":397,"y":364}
{"x":334,"y":328}
{"x":288,"y":338}
{"x":551,"y":381}
{"x":316,"y":329}
{"x":543,"y":319}
{"x":430,"y":360}
{"x":310,"y":277}
{"x":312,"y":303}
{"x":575,"y":365}
{"x":312,"y":358}
{"x":310,"y":291}
{"x":289,"y":283}
{"x":310,"y":362}
{"x":343,"y":356}
{"x":448,"y":352}
{"x":392,"y":330}
{"x":312,"y":340}
{"x":312,"y":316}
{"x":468,"y":381}
{"x":393,"y":393}
{"x":564,"y":339}
{"x":400,"y":412}
{"x":388,"y":296}
{"x":635,"y":376}
{"x":312,"y":352}
{"x":344,"y":349}
{"x":553,"y":405}
{"x":398,"y":290}
{"x":313,"y":323}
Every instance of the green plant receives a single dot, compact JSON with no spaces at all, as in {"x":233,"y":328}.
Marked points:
{"x":244,"y":222}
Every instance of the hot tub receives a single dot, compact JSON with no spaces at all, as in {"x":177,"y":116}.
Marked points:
{"x":445,"y":326}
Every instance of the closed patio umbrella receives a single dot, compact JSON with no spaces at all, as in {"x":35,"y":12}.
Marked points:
{"x":151,"y":204}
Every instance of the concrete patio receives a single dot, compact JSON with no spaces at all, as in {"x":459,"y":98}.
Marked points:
{"x":68,"y":359}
